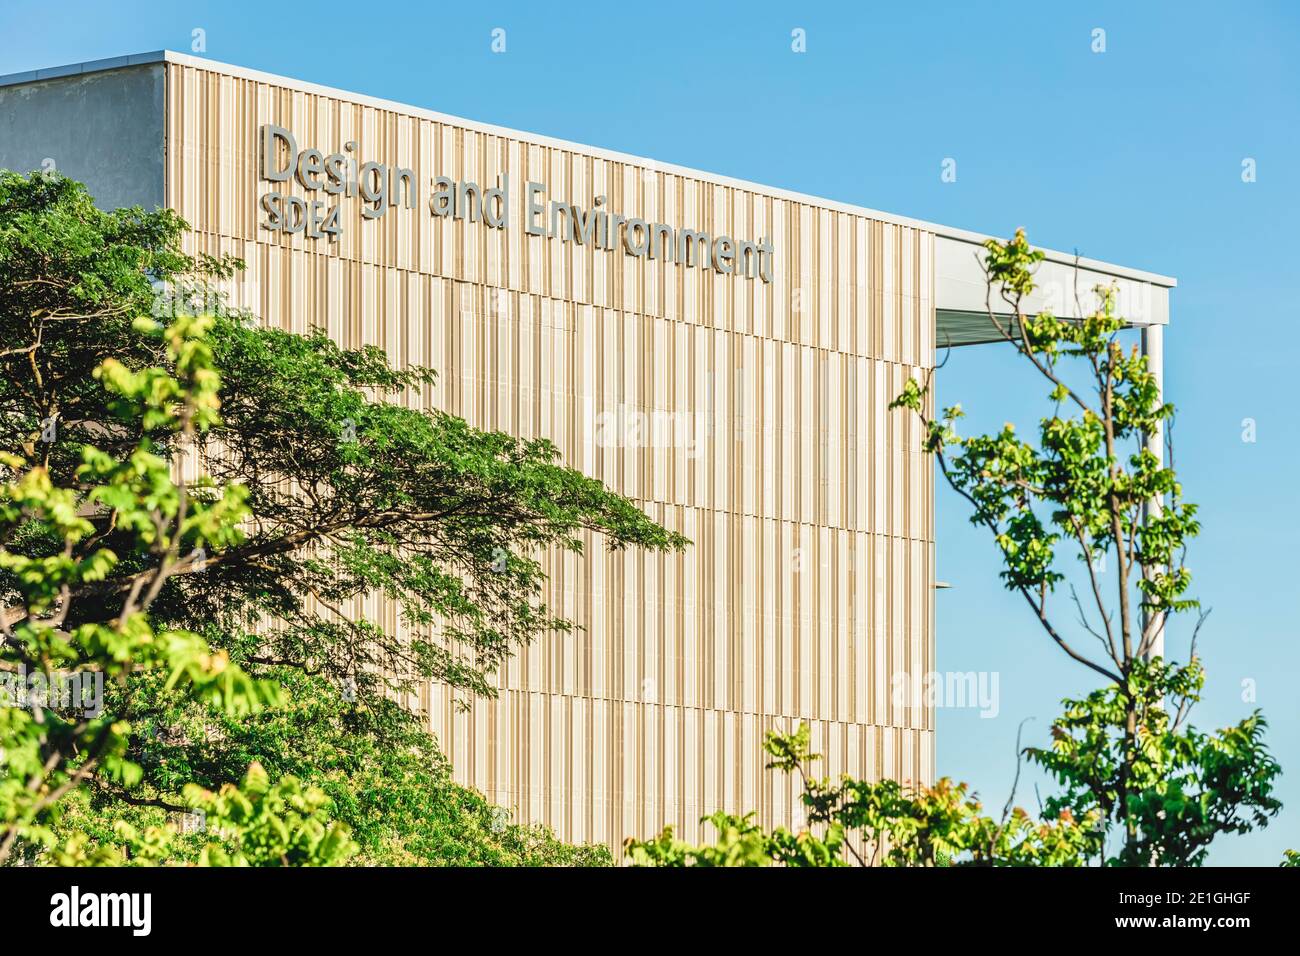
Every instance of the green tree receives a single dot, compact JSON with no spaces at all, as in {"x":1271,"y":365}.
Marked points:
{"x":349,"y":493}
{"x":1139,"y":785}
{"x":1124,"y":752}
{"x":51,"y":744}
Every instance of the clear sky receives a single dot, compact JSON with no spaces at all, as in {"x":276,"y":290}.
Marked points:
{"x":1133,"y":155}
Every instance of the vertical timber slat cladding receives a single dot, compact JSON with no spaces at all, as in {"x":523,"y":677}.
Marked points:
{"x":810,"y":507}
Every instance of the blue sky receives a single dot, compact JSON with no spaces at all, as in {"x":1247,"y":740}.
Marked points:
{"x":1132,"y":155}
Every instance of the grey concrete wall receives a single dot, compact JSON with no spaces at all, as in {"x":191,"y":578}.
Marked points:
{"x":105,"y":129}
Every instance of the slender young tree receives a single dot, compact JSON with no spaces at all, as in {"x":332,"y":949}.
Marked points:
{"x":1139,"y":785}
{"x":1125,"y":752}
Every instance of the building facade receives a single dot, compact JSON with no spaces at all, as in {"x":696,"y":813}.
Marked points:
{"x":720,"y":352}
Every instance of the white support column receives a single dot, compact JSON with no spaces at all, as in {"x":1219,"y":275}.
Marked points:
{"x":1153,"y":347}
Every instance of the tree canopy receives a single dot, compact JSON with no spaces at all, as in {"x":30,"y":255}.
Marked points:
{"x":344,"y":491}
